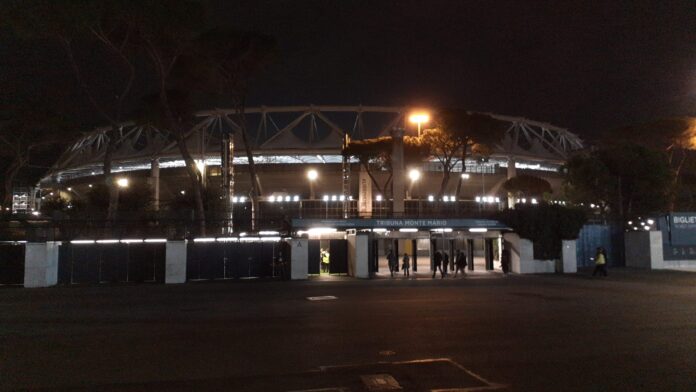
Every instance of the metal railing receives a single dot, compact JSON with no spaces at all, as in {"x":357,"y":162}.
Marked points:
{"x":275,"y":216}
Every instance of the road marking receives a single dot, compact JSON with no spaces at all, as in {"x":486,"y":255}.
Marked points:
{"x":488,"y":385}
{"x":322,"y":298}
{"x":380,"y":382}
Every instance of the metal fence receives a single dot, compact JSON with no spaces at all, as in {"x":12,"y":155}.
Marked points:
{"x":181,"y":224}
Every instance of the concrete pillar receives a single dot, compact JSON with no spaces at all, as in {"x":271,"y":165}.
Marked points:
{"x":155,"y":183}
{"x":299,"y":259}
{"x":41,"y":264}
{"x":175,"y":262}
{"x":644,"y":249}
{"x":359,"y":255}
{"x":521,"y":254}
{"x":364,"y":194}
{"x":569,"y":256}
{"x":398,"y":169}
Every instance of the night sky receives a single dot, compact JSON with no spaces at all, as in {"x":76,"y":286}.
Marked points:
{"x":588,"y":66}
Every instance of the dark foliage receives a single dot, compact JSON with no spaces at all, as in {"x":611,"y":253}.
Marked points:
{"x":545,"y":225}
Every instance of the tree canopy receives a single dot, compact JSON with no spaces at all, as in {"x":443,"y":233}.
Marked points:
{"x":624,"y":180}
{"x":455,"y":134}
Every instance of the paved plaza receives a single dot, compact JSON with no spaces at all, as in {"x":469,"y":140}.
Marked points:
{"x":632,"y":331}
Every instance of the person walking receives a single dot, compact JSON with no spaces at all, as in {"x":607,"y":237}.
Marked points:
{"x":406,"y":264}
{"x":505,"y":258}
{"x":325,"y":261}
{"x":460,"y":263}
{"x":600,"y":262}
{"x":391,"y":260}
{"x":445,"y":262}
{"x":437,"y":262}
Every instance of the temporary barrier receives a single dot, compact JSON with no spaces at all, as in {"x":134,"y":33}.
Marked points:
{"x":111,"y":263}
{"x":592,"y":236}
{"x":338,"y":263}
{"x":234,"y":260}
{"x":11,"y":263}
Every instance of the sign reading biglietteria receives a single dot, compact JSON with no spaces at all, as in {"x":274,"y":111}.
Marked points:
{"x":682,"y":228}
{"x":398,"y":223}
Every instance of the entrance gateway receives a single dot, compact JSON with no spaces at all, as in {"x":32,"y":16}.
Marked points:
{"x":359,"y":247}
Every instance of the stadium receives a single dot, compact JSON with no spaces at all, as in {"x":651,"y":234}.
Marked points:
{"x":289,"y":141}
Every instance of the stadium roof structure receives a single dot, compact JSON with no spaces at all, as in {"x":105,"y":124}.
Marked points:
{"x":286,"y":134}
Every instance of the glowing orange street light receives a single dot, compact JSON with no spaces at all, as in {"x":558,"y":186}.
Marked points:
{"x":312,"y":176}
{"x":419,"y":118}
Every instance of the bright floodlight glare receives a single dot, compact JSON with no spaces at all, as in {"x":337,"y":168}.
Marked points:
{"x":465,"y":176}
{"x":414,"y":174}
{"x":122,"y":182}
{"x":312,"y":175}
{"x":419,"y":118}
{"x":200,"y":165}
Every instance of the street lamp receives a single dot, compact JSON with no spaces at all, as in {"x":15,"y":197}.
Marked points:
{"x":419,"y":118}
{"x":312,"y":176}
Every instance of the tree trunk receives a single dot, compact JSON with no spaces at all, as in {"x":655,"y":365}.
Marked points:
{"x":675,"y":183}
{"x":445,"y":180}
{"x":255,"y":184}
{"x":372,"y":177}
{"x":459,"y":182}
{"x":110,"y":181}
{"x":196,"y":184}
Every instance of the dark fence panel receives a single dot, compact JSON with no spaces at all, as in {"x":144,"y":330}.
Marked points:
{"x":231,"y":260}
{"x":313,"y":257}
{"x":11,"y":263}
{"x":608,"y":236}
{"x":147,"y":262}
{"x":111,"y":263}
{"x":338,"y":262}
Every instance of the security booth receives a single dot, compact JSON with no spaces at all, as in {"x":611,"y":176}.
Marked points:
{"x":361,"y":247}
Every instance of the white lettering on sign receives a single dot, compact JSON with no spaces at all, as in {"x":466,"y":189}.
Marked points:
{"x":685,"y":219}
{"x":411,"y":222}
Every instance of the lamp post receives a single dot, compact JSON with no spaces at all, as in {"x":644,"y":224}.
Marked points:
{"x":312,"y":176}
{"x":414,"y":175}
{"x":419,"y":118}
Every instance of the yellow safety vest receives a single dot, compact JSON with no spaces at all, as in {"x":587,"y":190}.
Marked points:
{"x":600,"y":259}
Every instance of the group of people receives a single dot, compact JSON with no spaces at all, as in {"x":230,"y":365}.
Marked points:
{"x":393,"y":261}
{"x":441,"y":261}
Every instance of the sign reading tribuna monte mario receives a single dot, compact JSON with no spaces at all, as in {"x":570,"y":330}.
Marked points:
{"x":396,"y":223}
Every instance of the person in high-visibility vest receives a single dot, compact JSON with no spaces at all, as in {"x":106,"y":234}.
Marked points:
{"x":325,"y":261}
{"x":600,"y":262}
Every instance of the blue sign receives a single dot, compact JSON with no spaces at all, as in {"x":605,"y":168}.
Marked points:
{"x":682,"y":228}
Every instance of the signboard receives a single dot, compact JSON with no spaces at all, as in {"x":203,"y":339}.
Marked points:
{"x":398,"y":223}
{"x":679,"y":236}
{"x":682,"y":227}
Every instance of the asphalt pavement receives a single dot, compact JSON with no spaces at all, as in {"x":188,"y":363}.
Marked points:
{"x":632,"y":331}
